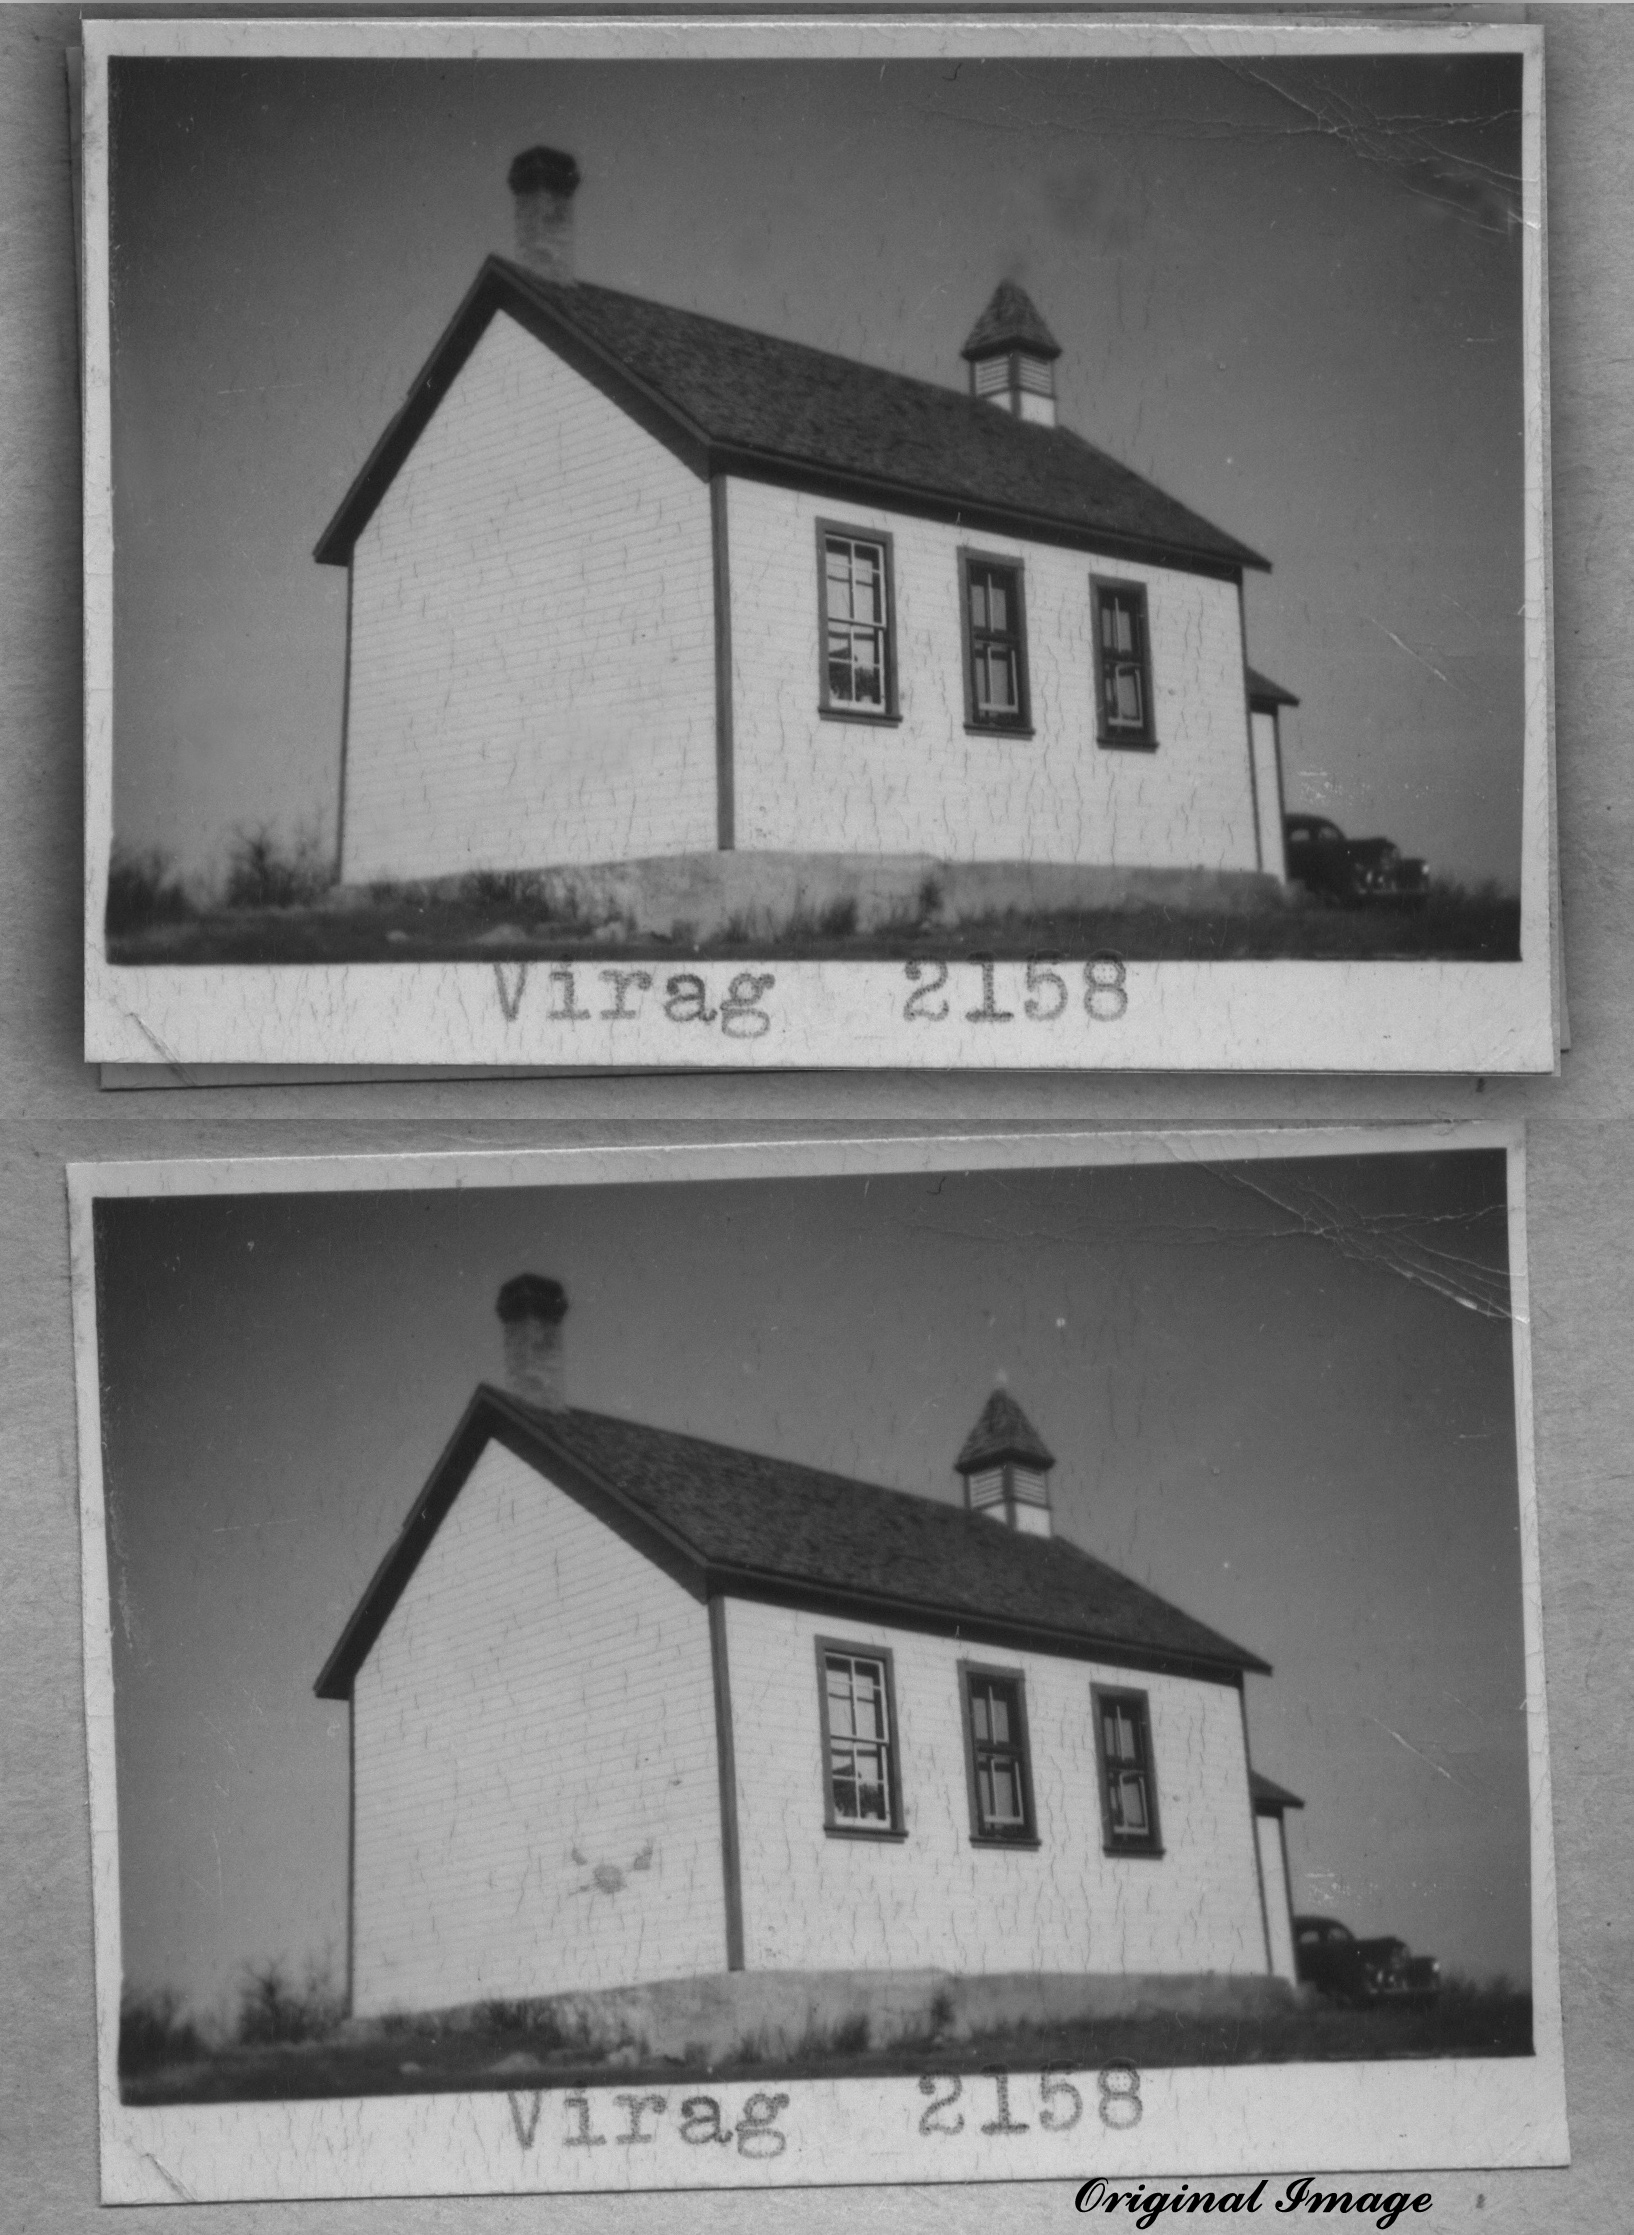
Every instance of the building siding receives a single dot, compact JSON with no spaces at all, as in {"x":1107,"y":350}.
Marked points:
{"x":531,"y":672}
{"x":537,"y":1804}
{"x":815,"y":1901}
{"x":1278,"y":1907}
{"x":926,"y":785}
{"x":1268,"y":784}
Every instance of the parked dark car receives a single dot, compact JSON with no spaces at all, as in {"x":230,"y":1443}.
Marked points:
{"x":1329,"y":1957}
{"x":1350,"y":871}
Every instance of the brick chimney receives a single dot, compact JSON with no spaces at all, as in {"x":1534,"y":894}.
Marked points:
{"x":531,"y":1310}
{"x":544,"y":182}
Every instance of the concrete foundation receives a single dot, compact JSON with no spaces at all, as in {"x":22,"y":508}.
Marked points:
{"x":778,"y":895}
{"x":711,"y":2017}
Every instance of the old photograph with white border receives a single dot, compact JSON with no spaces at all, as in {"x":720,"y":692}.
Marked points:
{"x":935,"y":543}
{"x":949,"y":1658}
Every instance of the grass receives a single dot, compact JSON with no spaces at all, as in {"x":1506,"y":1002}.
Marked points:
{"x":274,"y":2013}
{"x":154,"y":2036}
{"x":157,"y":2034}
{"x":145,"y":892}
{"x":512,"y":916}
{"x":165,"y":2059}
{"x":263,"y":871}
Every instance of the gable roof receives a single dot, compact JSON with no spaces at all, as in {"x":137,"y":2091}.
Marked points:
{"x":1010,"y":321}
{"x":724,"y":1520}
{"x":1262,"y":692}
{"x":727,"y":399}
{"x":1002,"y":1432}
{"x":1270,"y":1798}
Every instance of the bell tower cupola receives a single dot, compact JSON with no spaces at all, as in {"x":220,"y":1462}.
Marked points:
{"x":1011,"y":354}
{"x":1005,"y":1465}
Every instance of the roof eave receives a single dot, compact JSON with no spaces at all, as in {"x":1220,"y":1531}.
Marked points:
{"x":499,"y":285}
{"x":491,"y":1413}
{"x":401,"y":1558}
{"x":1226,"y":1666}
{"x":925,"y":502}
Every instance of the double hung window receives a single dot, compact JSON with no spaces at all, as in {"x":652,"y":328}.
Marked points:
{"x":861,"y":1792}
{"x":1000,"y":1775}
{"x":858,"y":674}
{"x":1123,"y":1743}
{"x":1123,"y":664}
{"x":995,"y":633}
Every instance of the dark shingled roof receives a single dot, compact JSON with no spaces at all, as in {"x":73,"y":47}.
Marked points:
{"x":1010,"y":321}
{"x":736,"y":1521}
{"x":1270,"y":1798}
{"x":1263,"y":692}
{"x":730,"y":399}
{"x":1003,"y":1432}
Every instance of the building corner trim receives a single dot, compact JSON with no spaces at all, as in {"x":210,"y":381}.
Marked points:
{"x":726,"y":1763}
{"x":351,"y":1856}
{"x":345,"y":730}
{"x":1253,"y":772}
{"x":721,"y":574}
{"x":1254,"y":1834}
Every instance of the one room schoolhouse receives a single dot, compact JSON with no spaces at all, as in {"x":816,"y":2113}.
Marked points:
{"x":630,"y":583}
{"x":629,"y":1707}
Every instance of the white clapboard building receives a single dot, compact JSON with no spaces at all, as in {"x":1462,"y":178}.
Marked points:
{"x":629,"y":583}
{"x":629,"y":1707}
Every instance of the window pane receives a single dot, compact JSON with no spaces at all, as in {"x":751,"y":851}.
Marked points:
{"x":1000,"y":1713}
{"x":995,"y":683}
{"x":839,"y":1698}
{"x":1126,"y":694}
{"x":845,"y":1792}
{"x":870,"y":1777}
{"x":978,"y":602}
{"x":869,"y":1722}
{"x":1004,"y":1791}
{"x":978,"y":1712}
{"x":865,"y":598}
{"x":839,"y":582}
{"x":998,"y":605}
{"x":1129,"y":1803}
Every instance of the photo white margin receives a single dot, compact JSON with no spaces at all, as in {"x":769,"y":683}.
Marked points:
{"x":1403,"y":1017}
{"x":1217,"y":2121}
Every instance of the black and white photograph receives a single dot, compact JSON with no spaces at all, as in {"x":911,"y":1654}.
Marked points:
{"x":915,"y":1661}
{"x":1003,"y":546}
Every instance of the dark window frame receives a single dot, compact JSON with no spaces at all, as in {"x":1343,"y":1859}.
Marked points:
{"x":981,"y":1834}
{"x":841,"y":710}
{"x":1119,"y":738}
{"x":1113,"y":1842}
{"x":976,"y":723}
{"x":834,"y":1824}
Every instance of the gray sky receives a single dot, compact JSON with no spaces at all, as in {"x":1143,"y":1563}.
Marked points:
{"x":1288,"y":292}
{"x":1282,"y":1433}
